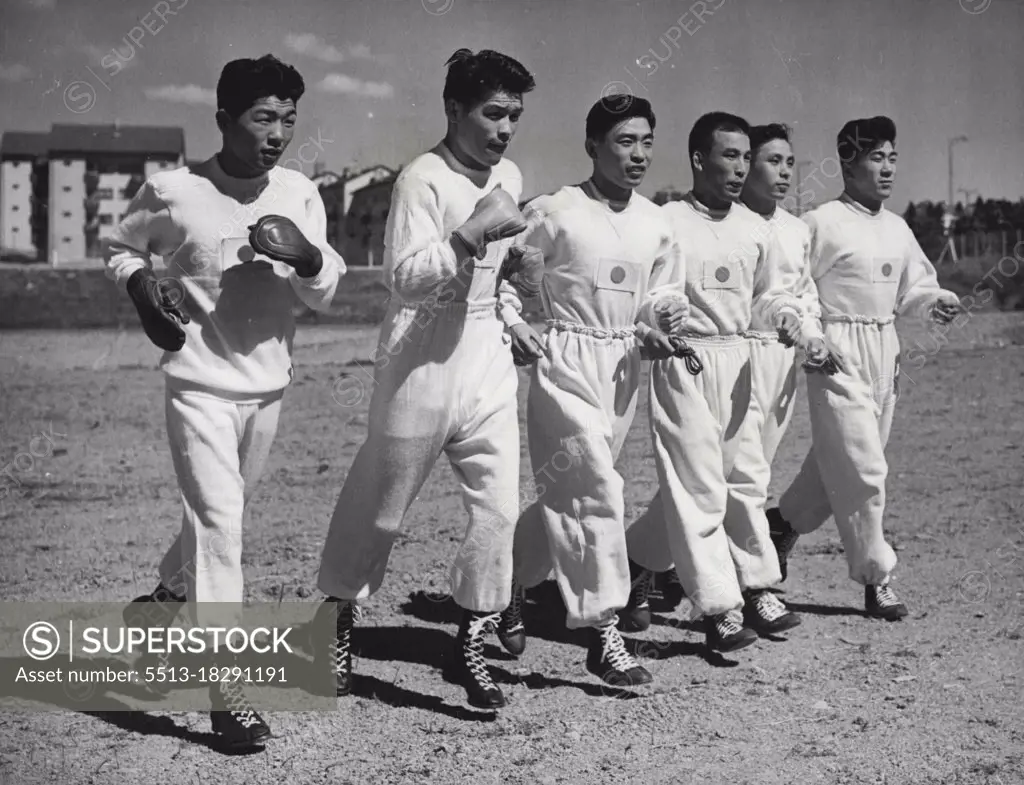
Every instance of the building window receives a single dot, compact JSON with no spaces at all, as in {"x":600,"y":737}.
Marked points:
{"x":67,"y":162}
{"x":16,"y":186}
{"x":15,"y":208}
{"x":106,"y":219}
{"x":15,"y":229}
{"x":67,"y":189}
{"x":104,"y":193}
{"x":65,"y":240}
{"x":66,"y":213}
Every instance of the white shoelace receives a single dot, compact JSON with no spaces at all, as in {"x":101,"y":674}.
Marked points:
{"x":238,"y":704}
{"x":474,"y":649}
{"x":730,"y":623}
{"x":341,"y":644}
{"x":769,"y":607}
{"x":614,"y":649}
{"x":886,"y":597}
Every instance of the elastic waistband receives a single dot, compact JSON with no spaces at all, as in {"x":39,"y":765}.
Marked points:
{"x":177,"y":385}
{"x":842,"y":318}
{"x":454,"y":308}
{"x":764,"y":336}
{"x":594,"y":332}
{"x":719,"y":341}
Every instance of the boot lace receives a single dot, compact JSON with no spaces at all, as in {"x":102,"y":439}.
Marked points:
{"x":340,"y":647}
{"x":769,"y":607}
{"x":886,"y":597}
{"x":512,"y":616}
{"x":729,"y":624}
{"x":613,"y":649}
{"x":473,"y":648}
{"x":234,"y":699}
{"x":641,"y":589}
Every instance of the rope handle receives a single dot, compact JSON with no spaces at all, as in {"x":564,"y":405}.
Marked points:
{"x":689,"y":356}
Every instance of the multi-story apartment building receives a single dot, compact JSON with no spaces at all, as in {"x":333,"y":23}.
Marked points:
{"x":91,"y":173}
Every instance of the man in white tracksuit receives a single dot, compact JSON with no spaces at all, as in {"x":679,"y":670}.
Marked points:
{"x":444,"y":378}
{"x":773,"y":362}
{"x":700,"y":423}
{"x":868,"y":268}
{"x":605,"y":249}
{"x":233,"y":233}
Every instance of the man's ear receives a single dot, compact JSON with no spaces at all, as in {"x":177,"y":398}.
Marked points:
{"x":452,"y":110}
{"x":224,"y":120}
{"x":697,"y":161}
{"x":591,"y":147}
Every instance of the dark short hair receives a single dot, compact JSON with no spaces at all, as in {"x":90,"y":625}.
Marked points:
{"x":614,"y":109}
{"x":762,"y":134}
{"x":244,"y":82}
{"x":473,"y":78}
{"x":859,"y":137}
{"x":702,"y":135}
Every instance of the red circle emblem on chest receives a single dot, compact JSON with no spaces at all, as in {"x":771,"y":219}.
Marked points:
{"x":618,"y":275}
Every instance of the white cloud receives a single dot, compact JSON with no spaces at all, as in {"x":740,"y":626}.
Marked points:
{"x":313,"y":46}
{"x":182,"y":94}
{"x":349,"y":85}
{"x":17,"y":72}
{"x":105,"y":58}
{"x":360,"y":51}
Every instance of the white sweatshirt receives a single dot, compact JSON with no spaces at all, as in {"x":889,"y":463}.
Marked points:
{"x":432,"y":197}
{"x":600,"y":265}
{"x":239,"y":339}
{"x":734,"y":268}
{"x":794,"y":239}
{"x":868,"y":266}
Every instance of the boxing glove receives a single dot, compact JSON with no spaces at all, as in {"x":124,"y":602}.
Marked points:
{"x":280,"y":239}
{"x":495,"y":217}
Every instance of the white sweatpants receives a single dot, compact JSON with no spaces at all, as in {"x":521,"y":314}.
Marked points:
{"x":444,"y":382}
{"x":219,"y":448}
{"x":773,"y":387}
{"x":701,"y":450}
{"x":582,"y":401}
{"x":845,"y":471}
{"x":773,"y":375}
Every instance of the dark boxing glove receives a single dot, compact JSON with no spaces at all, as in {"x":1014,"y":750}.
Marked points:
{"x":280,"y":239}
{"x":524,"y":269}
{"x":160,"y":304}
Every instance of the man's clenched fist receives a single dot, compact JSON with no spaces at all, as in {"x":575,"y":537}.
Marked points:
{"x":280,"y":239}
{"x":161,"y":308}
{"x":495,"y":217}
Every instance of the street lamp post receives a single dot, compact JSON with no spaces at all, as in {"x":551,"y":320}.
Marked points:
{"x":952,"y":143}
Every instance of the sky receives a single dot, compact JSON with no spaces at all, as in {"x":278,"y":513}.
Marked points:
{"x":374,"y":72}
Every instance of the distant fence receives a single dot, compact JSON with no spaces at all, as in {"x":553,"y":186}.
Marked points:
{"x":975,"y":245}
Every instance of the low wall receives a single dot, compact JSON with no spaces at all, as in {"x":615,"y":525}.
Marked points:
{"x":38,"y":296}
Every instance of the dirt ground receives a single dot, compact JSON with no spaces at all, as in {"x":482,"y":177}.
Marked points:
{"x":938,"y":698}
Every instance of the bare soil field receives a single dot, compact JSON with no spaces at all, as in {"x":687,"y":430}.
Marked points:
{"x":842,"y":699}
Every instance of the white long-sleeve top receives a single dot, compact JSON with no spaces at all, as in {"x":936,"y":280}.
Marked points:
{"x":239,"y":339}
{"x":432,"y":197}
{"x":794,"y":238}
{"x":868,"y":265}
{"x":601,"y":265}
{"x":734,"y":268}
